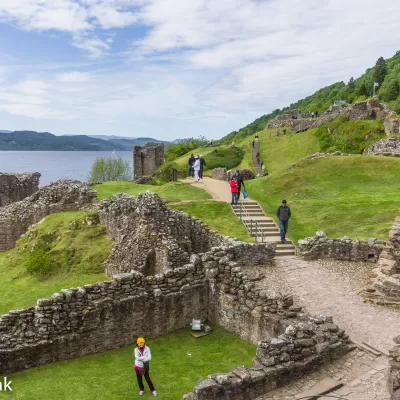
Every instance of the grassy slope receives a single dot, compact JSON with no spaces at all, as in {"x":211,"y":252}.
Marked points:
{"x":169,"y":192}
{"x":90,"y":244}
{"x":279,"y":152}
{"x":76,"y":379}
{"x":354,"y":196}
{"x":217,"y":215}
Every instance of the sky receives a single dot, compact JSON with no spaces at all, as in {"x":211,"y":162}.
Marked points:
{"x":172,"y":69}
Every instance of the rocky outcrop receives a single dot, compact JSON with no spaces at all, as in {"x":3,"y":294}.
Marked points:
{"x":18,"y":186}
{"x":302,"y":347}
{"x":320,"y":246}
{"x":63,"y":195}
{"x":220,"y":174}
{"x":385,"y":147}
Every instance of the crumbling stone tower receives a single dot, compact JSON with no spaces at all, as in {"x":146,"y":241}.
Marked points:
{"x":147,"y":159}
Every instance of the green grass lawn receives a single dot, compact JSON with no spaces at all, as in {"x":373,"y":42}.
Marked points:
{"x":170,"y":192}
{"x":217,"y":215}
{"x":279,"y":152}
{"x":354,"y":196}
{"x":76,"y":251}
{"x":178,"y":362}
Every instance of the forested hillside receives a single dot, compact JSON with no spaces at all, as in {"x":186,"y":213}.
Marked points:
{"x":385,"y":72}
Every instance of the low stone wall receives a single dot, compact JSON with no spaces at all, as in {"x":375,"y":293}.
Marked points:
{"x":15,"y":187}
{"x":99,"y":317}
{"x":392,"y":124}
{"x":385,"y":285}
{"x":334,"y":154}
{"x":394,"y":372}
{"x":63,"y":195}
{"x":303,"y":347}
{"x":219,"y":173}
{"x":385,"y":147}
{"x":320,"y":246}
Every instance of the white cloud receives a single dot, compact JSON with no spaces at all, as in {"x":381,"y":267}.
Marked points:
{"x":74,"y":77}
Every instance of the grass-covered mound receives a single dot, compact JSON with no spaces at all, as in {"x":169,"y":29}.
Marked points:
{"x":351,"y":137}
{"x":217,"y":215}
{"x":178,"y":362}
{"x":355,"y":196}
{"x":65,"y":250}
{"x":170,"y":192}
{"x":279,"y":152}
{"x":228,"y":157}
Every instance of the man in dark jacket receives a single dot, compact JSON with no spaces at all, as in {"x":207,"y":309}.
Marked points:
{"x":202,"y":164}
{"x":283,"y":213}
{"x":240,"y":182}
{"x":191,"y":162}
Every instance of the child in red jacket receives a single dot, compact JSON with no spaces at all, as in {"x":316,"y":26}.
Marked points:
{"x":234,"y":190}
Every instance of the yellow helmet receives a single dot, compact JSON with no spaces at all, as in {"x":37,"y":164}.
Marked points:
{"x":140,"y":340}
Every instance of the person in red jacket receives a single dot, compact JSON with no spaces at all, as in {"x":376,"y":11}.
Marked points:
{"x":234,"y":190}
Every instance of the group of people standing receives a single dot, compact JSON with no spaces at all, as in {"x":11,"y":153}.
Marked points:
{"x":236,"y":183}
{"x":196,"y":167}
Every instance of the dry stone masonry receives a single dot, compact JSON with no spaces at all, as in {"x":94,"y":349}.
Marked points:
{"x":63,"y":195}
{"x":147,"y":159}
{"x":385,"y":286}
{"x":394,"y":372}
{"x":304,"y":345}
{"x":385,"y":147}
{"x":320,"y":246}
{"x":223,"y":175}
{"x":15,"y":187}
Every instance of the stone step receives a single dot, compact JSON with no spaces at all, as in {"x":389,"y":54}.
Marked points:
{"x":266,"y":234}
{"x":284,"y":246}
{"x":286,"y":252}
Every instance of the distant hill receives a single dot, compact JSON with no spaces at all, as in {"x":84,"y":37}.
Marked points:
{"x":31,"y":140}
{"x":385,"y":72}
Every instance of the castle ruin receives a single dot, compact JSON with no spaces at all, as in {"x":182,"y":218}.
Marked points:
{"x":147,"y":159}
{"x":15,"y":187}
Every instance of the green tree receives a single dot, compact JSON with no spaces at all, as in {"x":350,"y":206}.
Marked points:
{"x":390,"y":90}
{"x":351,"y":83}
{"x":380,"y":70}
{"x":362,"y":91}
{"x":105,"y":169}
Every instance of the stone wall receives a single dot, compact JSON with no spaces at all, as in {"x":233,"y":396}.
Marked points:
{"x":219,"y":173}
{"x":385,"y":285}
{"x":147,"y":159}
{"x":64,"y":195}
{"x":385,"y":147}
{"x":15,"y":187}
{"x":392,"y":124}
{"x":394,"y":372}
{"x":320,"y":246}
{"x":301,"y":348}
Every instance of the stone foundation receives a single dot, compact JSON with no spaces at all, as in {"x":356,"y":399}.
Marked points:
{"x":320,"y":246}
{"x":303,"y":347}
{"x":16,"y":187}
{"x":386,"y":147}
{"x":64,"y":195}
{"x":385,"y":286}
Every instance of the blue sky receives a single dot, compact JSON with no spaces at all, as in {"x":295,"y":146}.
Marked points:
{"x":178,"y":68}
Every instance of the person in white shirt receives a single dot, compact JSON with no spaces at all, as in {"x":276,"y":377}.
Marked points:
{"x":196,"y":167}
{"x":142,"y":358}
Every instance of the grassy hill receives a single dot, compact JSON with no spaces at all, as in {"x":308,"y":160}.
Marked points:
{"x":355,"y":196}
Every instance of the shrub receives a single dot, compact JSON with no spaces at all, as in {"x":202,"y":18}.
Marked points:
{"x":175,"y":151}
{"x":229,"y":158}
{"x":105,"y":169}
{"x":164,"y":173}
{"x":39,"y":263}
{"x":346,"y":136}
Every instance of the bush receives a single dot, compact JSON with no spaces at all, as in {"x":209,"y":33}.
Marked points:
{"x":175,"y":151}
{"x":346,"y":136}
{"x":106,"y":169}
{"x":225,"y":158}
{"x":164,"y":173}
{"x":39,"y":263}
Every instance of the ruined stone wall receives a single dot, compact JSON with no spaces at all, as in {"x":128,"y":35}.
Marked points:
{"x":303,"y":347}
{"x":392,"y":124}
{"x":64,"y":195}
{"x":320,"y":246}
{"x":148,"y":158}
{"x":394,"y":372}
{"x":100,"y":317}
{"x":15,"y":187}
{"x":149,"y":236}
{"x":385,"y":285}
{"x":385,"y":147}
{"x":219,"y":173}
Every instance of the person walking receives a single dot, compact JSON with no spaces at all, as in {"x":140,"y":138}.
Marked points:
{"x":202,"y":165}
{"x":196,"y":168}
{"x":252,"y":143}
{"x":191,"y":162}
{"x":142,"y":366}
{"x":248,"y":145}
{"x":283,"y":213}
{"x":258,"y":157}
{"x":240,"y":181}
{"x":234,"y":190}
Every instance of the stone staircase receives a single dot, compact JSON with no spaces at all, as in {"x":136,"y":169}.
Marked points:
{"x":257,"y":167}
{"x":303,"y":125}
{"x":262,"y":228}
